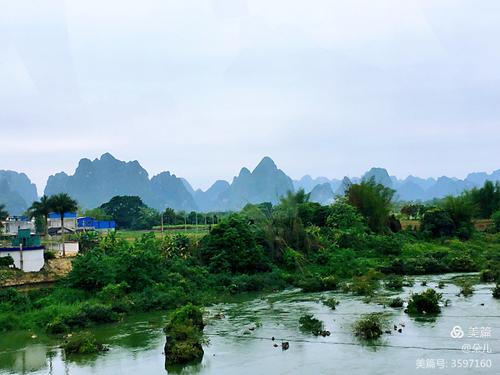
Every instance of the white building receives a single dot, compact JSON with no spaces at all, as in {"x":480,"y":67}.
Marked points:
{"x":54,"y":223}
{"x":28,"y":260}
{"x":13,"y":224}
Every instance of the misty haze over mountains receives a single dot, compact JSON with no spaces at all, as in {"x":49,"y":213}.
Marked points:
{"x":97,"y":181}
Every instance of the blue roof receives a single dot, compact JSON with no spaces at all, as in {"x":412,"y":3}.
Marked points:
{"x":67,"y":215}
{"x":90,"y":222}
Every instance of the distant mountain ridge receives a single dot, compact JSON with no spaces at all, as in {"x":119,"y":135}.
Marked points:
{"x":96,"y":181}
{"x":17,"y":192}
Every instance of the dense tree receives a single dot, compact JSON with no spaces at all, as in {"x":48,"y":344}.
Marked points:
{"x":287,"y":223}
{"x":41,"y":209}
{"x":125,"y":210}
{"x":460,"y":210}
{"x":486,"y":200}
{"x":373,"y":201}
{"x":437,"y":223}
{"x":169,"y":216}
{"x":346,"y":217}
{"x":62,"y":203}
{"x":231,"y":246}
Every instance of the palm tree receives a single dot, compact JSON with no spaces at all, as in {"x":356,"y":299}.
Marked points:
{"x":62,"y":203}
{"x":41,"y":209}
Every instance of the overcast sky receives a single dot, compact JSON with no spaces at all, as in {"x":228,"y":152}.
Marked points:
{"x":202,"y":88}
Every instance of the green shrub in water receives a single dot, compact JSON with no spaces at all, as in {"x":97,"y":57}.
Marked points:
{"x":394,"y":283}
{"x":184,"y":332}
{"x":331,"y":303}
{"x":426,"y":302}
{"x":496,"y":292}
{"x":82,"y":343}
{"x":308,"y":323}
{"x":369,"y":327}
{"x":396,"y":302}
{"x":466,"y":289}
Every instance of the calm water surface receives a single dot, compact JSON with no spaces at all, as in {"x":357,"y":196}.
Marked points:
{"x":136,"y":345}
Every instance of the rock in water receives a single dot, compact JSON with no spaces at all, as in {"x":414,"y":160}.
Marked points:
{"x":184,"y":336}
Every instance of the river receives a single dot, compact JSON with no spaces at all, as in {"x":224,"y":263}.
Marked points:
{"x":423,"y":346}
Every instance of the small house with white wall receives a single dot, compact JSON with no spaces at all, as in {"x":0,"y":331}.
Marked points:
{"x":26,"y":251}
{"x":54,"y":223}
{"x":13,"y":224}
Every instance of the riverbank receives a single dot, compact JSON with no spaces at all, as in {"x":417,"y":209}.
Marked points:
{"x":53,"y":270}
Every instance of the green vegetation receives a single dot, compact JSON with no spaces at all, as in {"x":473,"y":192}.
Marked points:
{"x":308,"y":323}
{"x":396,"y":302}
{"x":394,"y":282}
{"x":496,"y":220}
{"x":331,"y":303}
{"x":82,"y":343}
{"x":373,"y":201}
{"x":496,"y":292}
{"x":490,"y":275}
{"x":423,"y":303}
{"x":6,"y":261}
{"x":184,"y":335}
{"x":466,"y":288}
{"x":369,"y":326}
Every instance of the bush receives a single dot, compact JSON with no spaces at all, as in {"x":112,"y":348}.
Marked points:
{"x":48,"y":255}
{"x":331,"y":303}
{"x":488,"y":275}
{"x":466,"y":289}
{"x":292,"y":259}
{"x":496,"y":292}
{"x":394,"y":283}
{"x":496,"y":220}
{"x":367,"y":284}
{"x":82,"y":343}
{"x":426,"y":302}
{"x":437,"y":223}
{"x":6,"y":261}
{"x":369,"y":327}
{"x":12,"y":300}
{"x":97,"y":313}
{"x":91,"y":271}
{"x":231,"y":246}
{"x":184,"y":335}
{"x":385,"y":245}
{"x":308,"y":323}
{"x":462,"y":263}
{"x":318,"y":284}
{"x":396,"y":302}
{"x":9,"y":321}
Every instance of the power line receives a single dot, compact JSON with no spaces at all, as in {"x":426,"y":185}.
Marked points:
{"x":345,"y":343}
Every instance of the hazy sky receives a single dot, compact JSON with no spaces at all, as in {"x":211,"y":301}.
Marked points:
{"x":201,"y":88}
